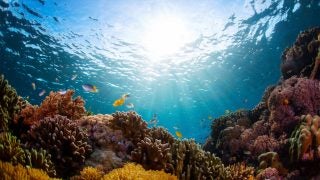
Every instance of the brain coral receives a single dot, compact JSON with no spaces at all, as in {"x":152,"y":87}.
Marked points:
{"x":8,"y":104}
{"x":64,"y":140}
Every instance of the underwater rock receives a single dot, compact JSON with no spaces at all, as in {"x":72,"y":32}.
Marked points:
{"x":64,"y":140}
{"x":299,"y":59}
{"x":8,"y":104}
{"x":305,"y":140}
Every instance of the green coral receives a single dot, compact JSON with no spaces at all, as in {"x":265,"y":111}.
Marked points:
{"x":40,"y":159}
{"x":8,"y":104}
{"x":305,"y":140}
{"x":189,"y":161}
{"x":10,"y":149}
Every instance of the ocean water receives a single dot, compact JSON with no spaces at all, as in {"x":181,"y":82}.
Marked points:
{"x":185,"y":61}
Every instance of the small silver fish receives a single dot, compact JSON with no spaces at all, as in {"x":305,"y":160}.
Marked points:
{"x":42,"y":92}
{"x":89,"y":88}
{"x":74,"y":77}
{"x":62,"y":92}
{"x":130,"y":105}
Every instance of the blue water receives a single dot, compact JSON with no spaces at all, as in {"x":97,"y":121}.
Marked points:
{"x":232,"y":55}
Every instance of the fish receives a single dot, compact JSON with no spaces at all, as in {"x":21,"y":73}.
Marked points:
{"x":90,"y":88}
{"x":41,"y":93}
{"x":74,"y":77}
{"x":62,"y":92}
{"x":125,"y":96}
{"x":130,"y":105}
{"x":285,"y":102}
{"x":209,"y":117}
{"x":247,"y":152}
{"x":33,"y":86}
{"x":175,"y":128}
{"x":179,"y":134}
{"x":119,"y":102}
{"x":154,"y":120}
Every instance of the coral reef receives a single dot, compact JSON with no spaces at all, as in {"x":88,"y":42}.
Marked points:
{"x":271,"y":159}
{"x":189,"y":161}
{"x":300,"y":58}
{"x":54,"y":104}
{"x":268,"y":173}
{"x":10,"y":149}
{"x":305,"y":140}
{"x":135,"y":171}
{"x":9,"y":171}
{"x":89,"y":173}
{"x":8,"y":104}
{"x":240,"y":171}
{"x":40,"y":159}
{"x":131,"y":124}
{"x":64,"y":140}
{"x":151,"y":153}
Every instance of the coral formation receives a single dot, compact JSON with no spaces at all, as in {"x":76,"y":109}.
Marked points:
{"x":135,"y":171}
{"x":40,"y":159}
{"x":271,"y":159}
{"x":305,"y":140}
{"x":89,"y":173}
{"x":268,"y":173}
{"x":9,"y":171}
{"x":54,"y":104}
{"x":240,"y":171}
{"x":10,"y":149}
{"x":189,"y":161}
{"x":131,"y":124}
{"x":8,"y":104}
{"x":64,"y":140}
{"x":151,"y":153}
{"x":300,"y":58}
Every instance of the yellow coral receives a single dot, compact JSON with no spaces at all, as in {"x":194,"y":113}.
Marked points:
{"x":89,"y":173}
{"x":10,"y":172}
{"x":240,"y":171}
{"x":133,"y":171}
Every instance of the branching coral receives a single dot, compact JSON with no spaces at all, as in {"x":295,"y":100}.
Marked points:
{"x":54,"y":104}
{"x":89,"y":173}
{"x":133,"y":171}
{"x":268,"y":173}
{"x":189,"y":161}
{"x":305,"y":140}
{"x":240,"y":171}
{"x":131,"y":125}
{"x":64,"y":140}
{"x":10,"y":149}
{"x":162,"y":134}
{"x":8,"y":104}
{"x":151,"y":153}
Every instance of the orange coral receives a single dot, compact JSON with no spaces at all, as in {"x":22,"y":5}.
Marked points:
{"x":133,"y":171}
{"x":54,"y":104}
{"x":8,"y":171}
{"x":240,"y":171}
{"x":89,"y":173}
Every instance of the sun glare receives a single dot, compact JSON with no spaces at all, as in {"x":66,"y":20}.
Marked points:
{"x":165,"y":36}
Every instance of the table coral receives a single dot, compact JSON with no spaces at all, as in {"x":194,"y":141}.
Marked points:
{"x":64,"y":140}
{"x":135,"y":171}
{"x":8,"y":104}
{"x":305,"y":140}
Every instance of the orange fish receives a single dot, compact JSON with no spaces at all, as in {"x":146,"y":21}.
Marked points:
{"x":179,"y":134}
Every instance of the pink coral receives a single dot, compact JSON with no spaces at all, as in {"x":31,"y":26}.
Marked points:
{"x":268,"y":173}
{"x":294,"y":97}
